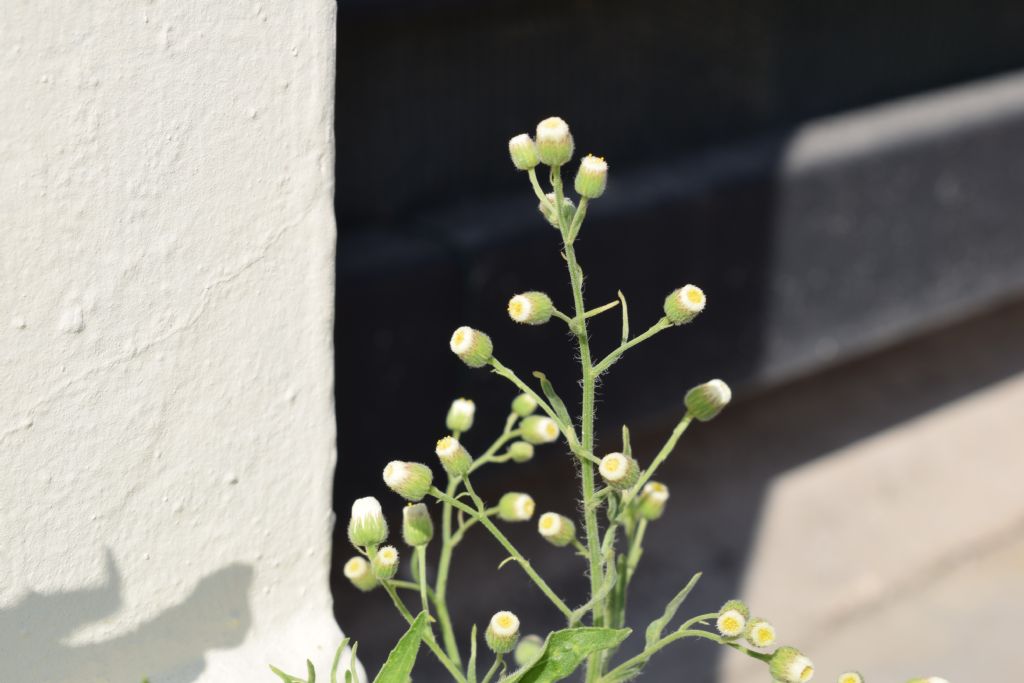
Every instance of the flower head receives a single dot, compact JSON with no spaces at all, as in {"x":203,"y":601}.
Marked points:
{"x":684,"y":304}
{"x":357,"y":570}
{"x":411,"y":480}
{"x":619,"y":471}
{"x":502,"y":632}
{"x":460,"y":415}
{"x":789,"y":665}
{"x":385,"y":563}
{"x":554,"y":142}
{"x":516,"y":507}
{"x":556,"y":529}
{"x":707,"y":400}
{"x":366,"y":526}
{"x":760,"y":633}
{"x":523,"y":152}
{"x":531,"y":308}
{"x":417,"y":526}
{"x":592,"y":177}
{"x":539,"y":429}
{"x":454,"y":457}
{"x":472,"y":346}
{"x":652,"y":500}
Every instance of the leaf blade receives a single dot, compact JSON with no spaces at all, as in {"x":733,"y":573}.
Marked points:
{"x":402,"y":658}
{"x":657,"y":627}
{"x":564,"y":651}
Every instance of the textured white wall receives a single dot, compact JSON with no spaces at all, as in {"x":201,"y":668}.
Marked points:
{"x":166,"y":303}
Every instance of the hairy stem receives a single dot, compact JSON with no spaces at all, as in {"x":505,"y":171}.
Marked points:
{"x":428,"y":637}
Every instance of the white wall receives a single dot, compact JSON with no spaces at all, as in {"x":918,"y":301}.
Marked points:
{"x":166,"y":306}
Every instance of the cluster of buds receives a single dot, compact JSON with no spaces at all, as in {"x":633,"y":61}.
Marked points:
{"x":502,"y":632}
{"x":734,"y":622}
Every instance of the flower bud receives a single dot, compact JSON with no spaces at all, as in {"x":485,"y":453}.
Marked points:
{"x":652,"y":500}
{"x":521,"y":451}
{"x":472,"y":346}
{"x":523,"y":152}
{"x":460,"y":415}
{"x":367,"y":526}
{"x":732,"y":619}
{"x":417,"y":526}
{"x":357,"y":570}
{"x":538,"y":429}
{"x":516,"y":507}
{"x":530,"y":308}
{"x":523,"y":405}
{"x":385,"y":563}
{"x":455,"y":459}
{"x":789,"y":665}
{"x":619,"y":471}
{"x":556,"y":529}
{"x":554,"y":142}
{"x":852,"y":677}
{"x":759,"y":633}
{"x":684,"y":304}
{"x":547,"y":209}
{"x":528,"y":649}
{"x":592,"y":177}
{"x":502,"y":632}
{"x":410,"y":480}
{"x":705,"y":401}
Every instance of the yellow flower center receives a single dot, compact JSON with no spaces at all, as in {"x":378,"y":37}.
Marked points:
{"x":505,"y":621}
{"x":730,"y":624}
{"x":806,"y":674}
{"x":695,"y":295}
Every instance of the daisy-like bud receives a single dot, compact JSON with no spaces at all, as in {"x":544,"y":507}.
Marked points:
{"x":760,"y":633}
{"x":554,"y":142}
{"x":367,"y":526}
{"x":547,"y":209}
{"x":460,"y":415}
{"x":357,"y":570}
{"x":539,"y":429}
{"x":528,"y":649}
{"x":521,"y":451}
{"x":472,"y":346}
{"x":523,"y":152}
{"x":789,"y":665}
{"x":619,"y":471}
{"x":417,"y":526}
{"x":410,"y":480}
{"x":502,"y":632}
{"x":454,"y":457}
{"x":732,"y":619}
{"x":385,"y":563}
{"x":652,"y":500}
{"x":705,"y":401}
{"x":851,"y":677}
{"x":516,"y":507}
{"x":684,"y":304}
{"x":556,"y":529}
{"x":523,"y":405}
{"x":592,"y":177}
{"x":530,"y":308}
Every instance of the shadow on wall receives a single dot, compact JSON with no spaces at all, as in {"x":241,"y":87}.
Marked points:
{"x":169,"y":647}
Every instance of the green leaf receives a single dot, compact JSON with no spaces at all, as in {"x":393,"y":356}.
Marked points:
{"x":401,"y":660}
{"x":310,"y":672}
{"x":352,"y":675}
{"x":564,"y":651}
{"x":627,"y":447}
{"x":337,"y":660}
{"x":471,"y":666}
{"x":625,"y":317}
{"x":556,"y":403}
{"x":285,"y":677}
{"x":656,"y":627}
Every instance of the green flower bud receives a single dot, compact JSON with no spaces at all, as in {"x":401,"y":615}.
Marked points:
{"x":619,"y":471}
{"x":705,"y":401}
{"x":417,"y":526}
{"x":732,"y":619}
{"x":523,"y":152}
{"x":548,"y":211}
{"x":472,"y":346}
{"x":530,"y":308}
{"x":789,"y":665}
{"x":759,"y":633}
{"x":684,"y":304}
{"x":455,"y":459}
{"x":385,"y":563}
{"x":523,"y":405}
{"x":521,"y":451}
{"x":539,"y":429}
{"x":592,"y":177}
{"x":516,"y":507}
{"x":460,"y":415}
{"x":366,"y":526}
{"x":652,"y":500}
{"x":528,"y":649}
{"x":410,"y":480}
{"x":854,"y":677}
{"x":357,"y":570}
{"x":556,"y":529}
{"x":554,"y":142}
{"x":502,"y":632}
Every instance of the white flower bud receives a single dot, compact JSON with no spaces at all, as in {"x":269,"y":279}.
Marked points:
{"x":455,"y":459}
{"x":357,"y":570}
{"x":554,"y":142}
{"x":759,"y":633}
{"x":411,"y":480}
{"x":684,"y":304}
{"x":619,"y":471}
{"x":592,"y":177}
{"x":556,"y":529}
{"x":850,"y":677}
{"x":705,"y":401}
{"x":366,"y":526}
{"x":539,"y":429}
{"x":502,"y":632}
{"x":531,"y":308}
{"x":523,"y":152}
{"x":460,"y":415}
{"x":523,"y":405}
{"x":472,"y":346}
{"x":732,"y":619}
{"x":385,"y":563}
{"x":789,"y":665}
{"x":516,"y":507}
{"x":652,"y":500}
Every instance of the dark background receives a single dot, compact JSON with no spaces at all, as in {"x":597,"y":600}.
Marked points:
{"x":697,"y":107}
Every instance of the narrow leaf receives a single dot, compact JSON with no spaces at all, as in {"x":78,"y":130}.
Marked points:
{"x":556,"y":403}
{"x":283,"y":676}
{"x":337,"y":660}
{"x":401,"y":660}
{"x":352,"y":676}
{"x":310,"y":672}
{"x":656,"y":627}
{"x":625,"y":317}
{"x":471,"y":666}
{"x":564,"y":651}
{"x":627,"y":447}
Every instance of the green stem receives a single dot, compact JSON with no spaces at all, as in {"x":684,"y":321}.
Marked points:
{"x":622,"y":671}
{"x":500,"y":537}
{"x":421,"y":557}
{"x":428,"y":637}
{"x":567,"y":429}
{"x":537,"y":190}
{"x":665,"y":451}
{"x":608,"y":360}
{"x":441,"y":586}
{"x":460,"y":533}
{"x":494,"y":669}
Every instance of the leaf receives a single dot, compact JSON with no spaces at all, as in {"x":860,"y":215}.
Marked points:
{"x":627,"y":447}
{"x":607,"y":584}
{"x":564,"y":651}
{"x":656,"y":627}
{"x":283,"y":676}
{"x":401,"y":660}
{"x":337,"y":660}
{"x":311,"y":672}
{"x":471,"y":666}
{"x":625,"y":317}
{"x":352,"y":675}
{"x":556,"y":403}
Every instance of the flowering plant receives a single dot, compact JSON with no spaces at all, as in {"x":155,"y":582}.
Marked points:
{"x":619,"y":495}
